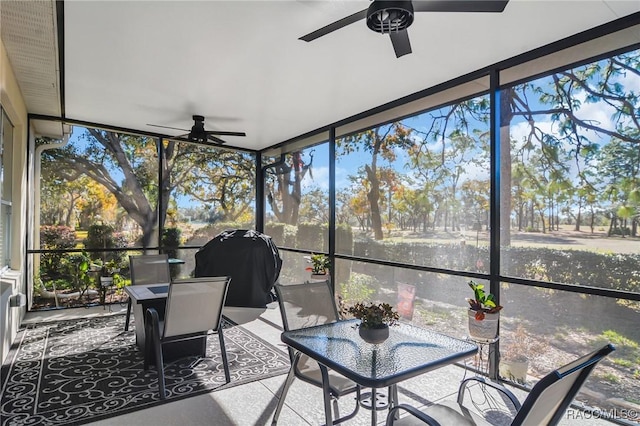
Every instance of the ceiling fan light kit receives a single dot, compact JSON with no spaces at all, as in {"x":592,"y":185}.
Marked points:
{"x":387,"y":16}
{"x":197,"y":133}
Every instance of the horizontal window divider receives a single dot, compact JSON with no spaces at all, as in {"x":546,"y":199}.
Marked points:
{"x":93,"y":250}
{"x":302,"y":251}
{"x":574,"y":288}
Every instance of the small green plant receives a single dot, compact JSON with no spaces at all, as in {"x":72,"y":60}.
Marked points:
{"x":319,"y":263}
{"x":374,"y":315}
{"x":623,"y":362}
{"x":482,"y":302}
{"x":110,"y":268}
{"x":611,"y":378}
{"x":619,"y":339}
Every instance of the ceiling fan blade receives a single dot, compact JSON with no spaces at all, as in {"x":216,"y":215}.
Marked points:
{"x":459,"y":5}
{"x":167,"y":127}
{"x":400,"y":41}
{"x":186,"y":139}
{"x":335,"y":26}
{"x":222,"y":133}
{"x":215,"y":139}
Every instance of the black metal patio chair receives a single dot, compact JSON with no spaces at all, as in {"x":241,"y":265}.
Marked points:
{"x":545,"y":404}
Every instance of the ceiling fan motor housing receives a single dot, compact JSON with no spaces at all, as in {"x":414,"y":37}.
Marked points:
{"x":388,"y":16}
{"x":197,"y":131}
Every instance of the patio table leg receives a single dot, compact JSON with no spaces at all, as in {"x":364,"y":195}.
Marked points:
{"x":374,"y":411}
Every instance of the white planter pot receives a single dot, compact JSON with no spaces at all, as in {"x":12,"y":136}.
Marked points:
{"x":516,"y":371}
{"x":106,"y":281}
{"x":483,"y":330}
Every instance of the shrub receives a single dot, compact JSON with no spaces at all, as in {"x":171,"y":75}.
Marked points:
{"x":54,"y":238}
{"x":103,"y":236}
{"x":310,"y":236}
{"x":170,"y":244}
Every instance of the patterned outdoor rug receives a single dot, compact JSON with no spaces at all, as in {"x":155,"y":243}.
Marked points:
{"x":79,"y":371}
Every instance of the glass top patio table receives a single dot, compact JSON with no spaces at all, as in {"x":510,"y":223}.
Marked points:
{"x":408,"y":352}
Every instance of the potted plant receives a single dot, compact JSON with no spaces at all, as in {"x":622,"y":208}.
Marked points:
{"x":483,"y":314}
{"x":519,"y":349}
{"x":108,"y":272}
{"x":375,"y":319}
{"x":319,"y":266}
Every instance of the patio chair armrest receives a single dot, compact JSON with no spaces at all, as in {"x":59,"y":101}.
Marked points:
{"x":152,"y":334}
{"x":496,"y":386}
{"x":152,"y":318}
{"x":391,"y":417}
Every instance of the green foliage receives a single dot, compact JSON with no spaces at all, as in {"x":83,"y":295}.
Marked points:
{"x":110,"y":268}
{"x":58,"y":284}
{"x":103,"y":236}
{"x":171,"y":238}
{"x":610,"y":377}
{"x":170,"y":243}
{"x":374,"y":315}
{"x":624,"y":231}
{"x":54,"y":238}
{"x":482,"y":302}
{"x":311,"y":236}
{"x":605,"y":270}
{"x":359,"y":287}
{"x":344,"y":239}
{"x":80,"y":265}
{"x":623,"y":362}
{"x":320,"y":263}
{"x":282,"y":234}
{"x":275,"y":230}
{"x":618,"y":339}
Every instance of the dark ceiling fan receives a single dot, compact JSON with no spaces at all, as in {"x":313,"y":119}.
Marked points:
{"x":394,"y":17}
{"x":199,"y":134}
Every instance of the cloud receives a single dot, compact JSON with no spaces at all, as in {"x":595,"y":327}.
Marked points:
{"x":320,"y":179}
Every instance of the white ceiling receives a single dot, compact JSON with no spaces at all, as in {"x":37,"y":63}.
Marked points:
{"x":241,"y":65}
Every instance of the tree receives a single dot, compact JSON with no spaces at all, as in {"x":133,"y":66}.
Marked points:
{"x":284,"y":186}
{"x":454,"y":144}
{"x":225,"y":182}
{"x":127,"y":167}
{"x":475,"y":201}
{"x":560,"y":98}
{"x":379,"y":142}
{"x":314,"y":207}
{"x":620,"y":170}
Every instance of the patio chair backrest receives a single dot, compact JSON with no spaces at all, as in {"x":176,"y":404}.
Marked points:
{"x":150,"y":269}
{"x":551,"y":396}
{"x":194,"y":305}
{"x":307,"y":304}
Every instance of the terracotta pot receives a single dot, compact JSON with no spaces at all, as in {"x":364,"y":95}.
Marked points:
{"x":374,"y":335}
{"x":483,"y":330}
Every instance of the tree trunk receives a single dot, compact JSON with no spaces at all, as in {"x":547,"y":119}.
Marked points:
{"x":374,"y":196}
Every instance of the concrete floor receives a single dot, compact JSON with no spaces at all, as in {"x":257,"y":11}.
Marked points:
{"x":254,"y":403}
